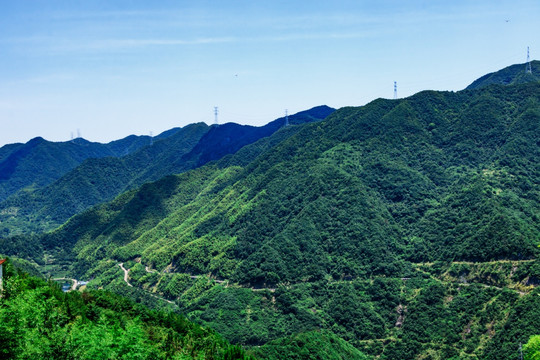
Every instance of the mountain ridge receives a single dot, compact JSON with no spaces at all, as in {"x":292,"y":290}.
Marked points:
{"x":100,"y":179}
{"x":513,"y":74}
{"x":39,"y":162}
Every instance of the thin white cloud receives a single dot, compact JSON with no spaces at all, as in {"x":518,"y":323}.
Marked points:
{"x":14,"y":82}
{"x":314,"y":36}
{"x":67,"y":45}
{"x":106,"y":45}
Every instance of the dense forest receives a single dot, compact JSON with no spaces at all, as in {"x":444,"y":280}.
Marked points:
{"x":99,"y":179}
{"x":435,"y":177}
{"x":39,"y":321}
{"x":40,"y":162}
{"x":402,"y":229}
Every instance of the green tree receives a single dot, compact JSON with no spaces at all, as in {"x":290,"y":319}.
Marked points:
{"x":531,"y":350}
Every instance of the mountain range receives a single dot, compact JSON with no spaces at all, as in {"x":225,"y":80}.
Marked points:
{"x":402,"y":229}
{"x":39,"y":162}
{"x":61,"y":192}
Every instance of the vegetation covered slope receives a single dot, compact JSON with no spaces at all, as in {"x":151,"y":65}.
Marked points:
{"x":101,"y":179}
{"x":433,"y":177}
{"x":329,"y":228}
{"x":511,"y":75}
{"x":310,"y":345}
{"x":38,"y":320}
{"x":97,"y":180}
{"x":407,"y":228}
{"x":230,"y":137}
{"x":40,"y":162}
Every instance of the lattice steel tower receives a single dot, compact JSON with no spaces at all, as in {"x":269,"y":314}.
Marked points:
{"x":528,"y":68}
{"x":395,"y":90}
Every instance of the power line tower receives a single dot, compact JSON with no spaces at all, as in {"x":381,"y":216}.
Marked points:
{"x":395,"y":90}
{"x":528,"y":68}
{"x":286,"y":117}
{"x":215,"y":115}
{"x":151,"y":139}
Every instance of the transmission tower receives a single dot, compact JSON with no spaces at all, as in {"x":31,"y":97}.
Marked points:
{"x":286,"y":117}
{"x":215,"y":115}
{"x":395,"y":90}
{"x":151,"y":139}
{"x":528,"y":68}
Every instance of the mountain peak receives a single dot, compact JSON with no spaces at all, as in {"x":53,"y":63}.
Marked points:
{"x":513,"y":74}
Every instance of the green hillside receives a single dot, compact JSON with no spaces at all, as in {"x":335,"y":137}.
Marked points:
{"x":406,"y":228}
{"x":39,"y":321}
{"x":30,"y":166}
{"x":311,"y":345}
{"x":437,"y":176}
{"x":97,"y":180}
{"x":511,"y":75}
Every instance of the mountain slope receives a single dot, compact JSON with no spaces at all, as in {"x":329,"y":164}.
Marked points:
{"x":229,"y":138}
{"x":94,"y":181}
{"x":514,"y":74}
{"x":98,"y":180}
{"x":39,"y":162}
{"x":408,"y":228}
{"x":369,"y":183}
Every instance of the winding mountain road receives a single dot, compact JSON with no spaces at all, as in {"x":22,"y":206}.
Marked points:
{"x":126,"y":271}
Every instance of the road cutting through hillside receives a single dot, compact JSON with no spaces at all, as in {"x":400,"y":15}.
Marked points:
{"x":194,"y":277}
{"x":272,"y":290}
{"x":125,"y":274}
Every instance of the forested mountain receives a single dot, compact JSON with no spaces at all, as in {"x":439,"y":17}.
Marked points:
{"x":431,"y":177}
{"x":101,"y":179}
{"x":39,"y":162}
{"x":514,"y":74}
{"x":96,"y":180}
{"x":406,"y":228}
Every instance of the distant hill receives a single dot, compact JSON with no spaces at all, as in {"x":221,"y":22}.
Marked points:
{"x":40,"y":162}
{"x":230,"y":137}
{"x":96,"y":180}
{"x":514,"y":74}
{"x":101,"y":179}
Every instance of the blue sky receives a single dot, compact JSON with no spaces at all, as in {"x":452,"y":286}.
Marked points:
{"x":114,"y":68}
